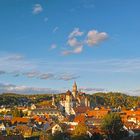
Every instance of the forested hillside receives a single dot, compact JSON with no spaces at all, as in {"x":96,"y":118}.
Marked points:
{"x":115,"y":99}
{"x":112,"y":99}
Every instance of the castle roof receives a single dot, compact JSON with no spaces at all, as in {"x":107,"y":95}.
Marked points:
{"x":75,"y":84}
{"x":81,"y":109}
{"x":68,"y":92}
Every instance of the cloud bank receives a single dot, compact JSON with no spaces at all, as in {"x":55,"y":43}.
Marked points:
{"x":16,"y":65}
{"x":76,"y":44}
{"x":10,"y":88}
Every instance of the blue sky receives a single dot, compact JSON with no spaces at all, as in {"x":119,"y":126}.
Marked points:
{"x":46,"y":45}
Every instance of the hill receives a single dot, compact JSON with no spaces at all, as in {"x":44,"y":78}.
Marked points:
{"x":115,"y":99}
{"x":111,"y":99}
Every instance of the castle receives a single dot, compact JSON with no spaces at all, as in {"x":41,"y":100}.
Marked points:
{"x":73,"y":99}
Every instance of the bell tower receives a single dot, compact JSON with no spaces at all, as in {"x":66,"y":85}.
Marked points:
{"x":74,"y":90}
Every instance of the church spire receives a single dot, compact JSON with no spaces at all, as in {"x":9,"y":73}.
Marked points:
{"x":75,"y":86}
{"x":74,"y":90}
{"x":75,"y":83}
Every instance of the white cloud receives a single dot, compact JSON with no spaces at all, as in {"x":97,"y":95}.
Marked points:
{"x":53,"y":46}
{"x":15,"y":62}
{"x":73,"y":42}
{"x":67,"y":77}
{"x":37,"y":8}
{"x":31,"y":74}
{"x":16,"y":65}
{"x":15,"y":57}
{"x":76,"y":50}
{"x":75,"y":33}
{"x":46,"y":76}
{"x":36,"y":67}
{"x":77,"y":44}
{"x":92,"y":90}
{"x":94,"y":37}
{"x":76,"y":47}
{"x":133,"y":92}
{"x":10,"y":88}
{"x":66,"y":52}
{"x":55,"y":29}
{"x":131,"y":66}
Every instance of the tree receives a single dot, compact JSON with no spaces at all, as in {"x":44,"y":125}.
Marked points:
{"x":17,"y":113}
{"x":57,"y":136}
{"x":80,"y":132}
{"x":113,"y":126}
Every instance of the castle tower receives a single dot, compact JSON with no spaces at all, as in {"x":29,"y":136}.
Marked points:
{"x":68,"y":103}
{"x":74,"y":90}
{"x":87,"y":102}
{"x":53,"y":100}
{"x":68,"y":96}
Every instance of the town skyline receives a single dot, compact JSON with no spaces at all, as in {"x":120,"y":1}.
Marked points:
{"x":46,"y":45}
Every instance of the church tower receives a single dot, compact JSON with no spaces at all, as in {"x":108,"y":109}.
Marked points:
{"x":74,"y":90}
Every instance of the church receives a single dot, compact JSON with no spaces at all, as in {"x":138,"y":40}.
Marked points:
{"x":71,"y":100}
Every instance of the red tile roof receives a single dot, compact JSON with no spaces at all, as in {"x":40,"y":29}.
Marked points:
{"x":20,"y":120}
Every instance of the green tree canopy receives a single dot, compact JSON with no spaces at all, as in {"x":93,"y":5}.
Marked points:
{"x":80,"y":132}
{"x":17,"y":113}
{"x":113,"y":126}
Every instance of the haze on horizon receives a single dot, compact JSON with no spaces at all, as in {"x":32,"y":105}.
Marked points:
{"x":46,"y":45}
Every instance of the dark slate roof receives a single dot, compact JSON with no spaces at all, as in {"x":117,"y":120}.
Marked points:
{"x":68,"y":92}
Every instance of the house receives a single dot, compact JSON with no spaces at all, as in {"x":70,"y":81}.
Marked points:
{"x":56,"y":128}
{"x":97,"y":112}
{"x":81,"y":110}
{"x":40,"y":120}
{"x":33,"y":107}
{"x":131,"y":116}
{"x":52,"y":112}
{"x":3,"y":109}
{"x":130,"y":125}
{"x":24,"y":109}
{"x":20,"y":120}
{"x":2,"y":127}
{"x":80,"y":118}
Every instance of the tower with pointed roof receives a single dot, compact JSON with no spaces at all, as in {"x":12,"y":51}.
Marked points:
{"x":74,"y":90}
{"x":73,"y":99}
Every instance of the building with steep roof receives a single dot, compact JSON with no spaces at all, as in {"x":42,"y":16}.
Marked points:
{"x":73,"y":99}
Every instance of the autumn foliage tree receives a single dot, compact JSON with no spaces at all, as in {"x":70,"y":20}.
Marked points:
{"x":113,"y":126}
{"x":80,"y":132}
